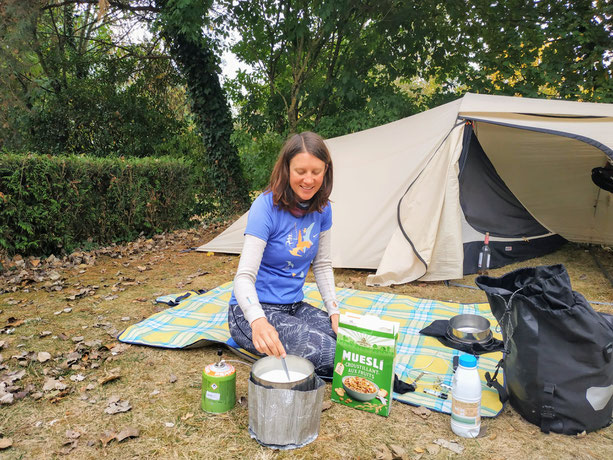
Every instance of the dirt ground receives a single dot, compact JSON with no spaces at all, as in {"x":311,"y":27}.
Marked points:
{"x":71,"y":390}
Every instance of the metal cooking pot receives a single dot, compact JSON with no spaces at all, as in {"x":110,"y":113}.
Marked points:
{"x":294,"y":364}
{"x":285,"y":415}
{"x":469,"y":329}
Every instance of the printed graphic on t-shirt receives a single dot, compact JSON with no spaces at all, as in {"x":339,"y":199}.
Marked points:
{"x":298,"y":242}
{"x":303,"y":241}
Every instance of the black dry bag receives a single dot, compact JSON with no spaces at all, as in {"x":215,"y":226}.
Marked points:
{"x":558,"y":358}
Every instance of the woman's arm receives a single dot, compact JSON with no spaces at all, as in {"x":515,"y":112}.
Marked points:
{"x":324,"y":277}
{"x":244,"y":281}
{"x":265,"y":337}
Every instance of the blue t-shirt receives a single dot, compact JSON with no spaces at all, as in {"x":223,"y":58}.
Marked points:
{"x":291,"y":245}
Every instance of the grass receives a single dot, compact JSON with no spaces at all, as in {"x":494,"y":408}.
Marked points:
{"x":168,"y":415}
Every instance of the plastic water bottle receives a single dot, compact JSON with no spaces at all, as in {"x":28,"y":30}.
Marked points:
{"x":466,"y":398}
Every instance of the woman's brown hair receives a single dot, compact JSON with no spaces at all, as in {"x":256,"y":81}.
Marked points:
{"x":282,"y":194}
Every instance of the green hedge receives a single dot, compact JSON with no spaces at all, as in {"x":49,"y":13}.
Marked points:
{"x":49,"y":204}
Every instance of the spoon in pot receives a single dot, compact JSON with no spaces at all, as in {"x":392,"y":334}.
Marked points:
{"x":285,"y":369}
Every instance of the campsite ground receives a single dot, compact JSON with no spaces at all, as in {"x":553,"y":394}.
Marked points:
{"x":64,"y":309}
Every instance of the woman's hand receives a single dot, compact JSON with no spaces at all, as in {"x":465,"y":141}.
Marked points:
{"x":334,"y":319}
{"x":266,"y":338}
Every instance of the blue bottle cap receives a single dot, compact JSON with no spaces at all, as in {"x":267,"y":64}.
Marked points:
{"x":468,"y":361}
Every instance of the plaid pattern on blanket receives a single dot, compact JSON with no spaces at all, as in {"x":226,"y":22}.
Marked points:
{"x":201,"y":319}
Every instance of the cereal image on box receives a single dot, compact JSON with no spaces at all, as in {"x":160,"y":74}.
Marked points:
{"x":364,"y":363}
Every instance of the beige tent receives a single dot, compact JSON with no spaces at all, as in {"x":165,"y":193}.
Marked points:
{"x":414,"y":198}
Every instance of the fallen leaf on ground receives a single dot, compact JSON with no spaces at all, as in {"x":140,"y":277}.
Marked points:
{"x":119,"y":348}
{"x":383,"y":453}
{"x":108,"y":378}
{"x":43,"y":356}
{"x":451,"y":445}
{"x":68,"y":447}
{"x":107,"y":437}
{"x":52,"y":384}
{"x":13,"y":322}
{"x":187,"y":416}
{"x":326,"y":405}
{"x":128,"y":432}
{"x":73,"y":357}
{"x":72,"y":434}
{"x":5,"y":443}
{"x":12,"y":376}
{"x":397,"y":451}
{"x":116,"y":405}
{"x":59,"y":396}
{"x":419,"y":450}
{"x":422,"y":411}
{"x":433,"y":449}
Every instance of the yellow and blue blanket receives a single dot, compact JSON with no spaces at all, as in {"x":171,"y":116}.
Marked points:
{"x":202,"y":319}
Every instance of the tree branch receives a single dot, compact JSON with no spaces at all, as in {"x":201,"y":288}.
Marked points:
{"x":115,"y":4}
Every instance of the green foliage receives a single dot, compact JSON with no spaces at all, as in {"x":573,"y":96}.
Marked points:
{"x":341,"y":62}
{"x":73,"y":87}
{"x":50,"y":203}
{"x":258,"y":156}
{"x":545,"y":48}
{"x":339,"y":67}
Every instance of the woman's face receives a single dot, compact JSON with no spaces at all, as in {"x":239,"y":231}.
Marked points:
{"x":306,"y":174}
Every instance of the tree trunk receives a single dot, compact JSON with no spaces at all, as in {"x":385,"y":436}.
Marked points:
{"x":198,"y":64}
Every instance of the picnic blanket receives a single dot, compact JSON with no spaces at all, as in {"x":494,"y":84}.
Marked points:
{"x":198,"y":319}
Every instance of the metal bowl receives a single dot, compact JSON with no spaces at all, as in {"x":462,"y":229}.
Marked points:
{"x":294,"y":363}
{"x":469,"y":329}
{"x":358,"y":395}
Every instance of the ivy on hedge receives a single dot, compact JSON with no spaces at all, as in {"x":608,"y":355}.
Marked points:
{"x":49,"y":204}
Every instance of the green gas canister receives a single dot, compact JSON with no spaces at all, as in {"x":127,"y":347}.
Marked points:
{"x":218,"y":387}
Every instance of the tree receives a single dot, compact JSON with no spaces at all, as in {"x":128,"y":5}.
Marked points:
{"x":73,"y":84}
{"x":550,"y":48}
{"x":181,"y":24}
{"x":316,"y":59}
{"x":339,"y":65}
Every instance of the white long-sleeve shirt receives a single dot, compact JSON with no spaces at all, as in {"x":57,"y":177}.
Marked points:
{"x":249,"y":264}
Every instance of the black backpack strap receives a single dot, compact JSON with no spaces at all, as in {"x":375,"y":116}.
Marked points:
{"x":493,"y":383}
{"x":548,"y":412}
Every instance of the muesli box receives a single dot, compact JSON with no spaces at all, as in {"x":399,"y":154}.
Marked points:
{"x":364,"y":363}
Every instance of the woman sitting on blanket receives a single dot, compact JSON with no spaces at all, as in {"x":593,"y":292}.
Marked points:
{"x":288,"y":227}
